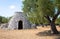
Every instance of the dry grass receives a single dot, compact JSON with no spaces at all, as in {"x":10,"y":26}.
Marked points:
{"x":27,"y":34}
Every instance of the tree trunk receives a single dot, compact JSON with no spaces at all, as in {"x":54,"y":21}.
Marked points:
{"x":53,"y":28}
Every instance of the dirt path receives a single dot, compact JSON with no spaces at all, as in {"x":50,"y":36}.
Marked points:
{"x":25,"y":34}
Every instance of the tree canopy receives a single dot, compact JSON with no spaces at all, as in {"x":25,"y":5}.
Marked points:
{"x":39,"y":10}
{"x":32,"y":12}
{"x":3,"y":19}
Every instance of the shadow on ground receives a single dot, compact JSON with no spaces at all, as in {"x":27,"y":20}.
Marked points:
{"x":47,"y":33}
{"x":58,"y":37}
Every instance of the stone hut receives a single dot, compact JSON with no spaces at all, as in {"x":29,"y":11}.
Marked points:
{"x":19,"y":21}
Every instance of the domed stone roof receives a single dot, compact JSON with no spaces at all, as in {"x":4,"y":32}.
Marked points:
{"x":19,"y":21}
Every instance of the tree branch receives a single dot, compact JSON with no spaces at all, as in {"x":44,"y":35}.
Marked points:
{"x":55,"y":16}
{"x":48,"y":18}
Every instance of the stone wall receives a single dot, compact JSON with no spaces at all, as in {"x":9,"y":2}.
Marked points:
{"x":4,"y":26}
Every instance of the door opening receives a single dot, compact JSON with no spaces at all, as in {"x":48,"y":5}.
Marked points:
{"x":20,"y":25}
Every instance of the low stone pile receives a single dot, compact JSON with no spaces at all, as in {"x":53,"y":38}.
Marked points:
{"x":4,"y":26}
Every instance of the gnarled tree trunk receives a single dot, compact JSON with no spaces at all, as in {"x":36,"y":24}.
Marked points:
{"x":53,"y":28}
{"x":52,"y":23}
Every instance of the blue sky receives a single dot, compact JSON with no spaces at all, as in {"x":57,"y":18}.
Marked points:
{"x":9,"y":7}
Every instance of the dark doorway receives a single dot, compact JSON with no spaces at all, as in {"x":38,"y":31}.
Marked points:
{"x":20,"y":25}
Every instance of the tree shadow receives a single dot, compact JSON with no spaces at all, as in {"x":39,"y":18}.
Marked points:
{"x":58,"y":37}
{"x":47,"y":33}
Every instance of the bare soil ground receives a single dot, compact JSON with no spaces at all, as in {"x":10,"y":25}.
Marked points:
{"x":39,"y":33}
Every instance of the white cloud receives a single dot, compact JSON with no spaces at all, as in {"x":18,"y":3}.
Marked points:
{"x":12,"y":6}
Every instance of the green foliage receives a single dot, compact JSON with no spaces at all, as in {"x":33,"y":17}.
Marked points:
{"x":57,"y":3}
{"x":0,"y":19}
{"x":3,"y":19}
{"x":36,"y":10}
{"x":46,"y":7}
{"x":58,"y":21}
{"x":30,"y":10}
